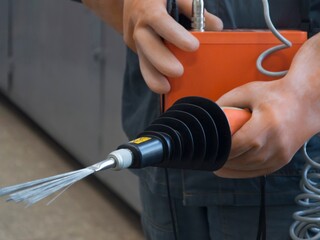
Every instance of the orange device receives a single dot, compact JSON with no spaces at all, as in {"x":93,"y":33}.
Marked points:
{"x":226,"y":60}
{"x":236,"y":117}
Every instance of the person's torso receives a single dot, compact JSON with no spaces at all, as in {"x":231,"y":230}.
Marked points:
{"x":141,"y":106}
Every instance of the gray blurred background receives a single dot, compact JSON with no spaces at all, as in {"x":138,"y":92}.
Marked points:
{"x":62,"y":68}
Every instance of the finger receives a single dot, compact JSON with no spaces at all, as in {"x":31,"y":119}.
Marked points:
{"x":157,"y":53}
{"x":153,"y":78}
{"x":243,"y":96}
{"x":248,"y":161}
{"x":235,"y":98}
{"x":127,"y":35}
{"x":252,"y":136}
{"x":213,"y":23}
{"x":173,"y":32}
{"x":241,"y":143}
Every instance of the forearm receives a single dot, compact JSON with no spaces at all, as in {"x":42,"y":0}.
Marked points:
{"x":110,"y":11}
{"x":303,"y":79}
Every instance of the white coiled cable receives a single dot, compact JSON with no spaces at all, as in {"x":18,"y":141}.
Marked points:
{"x":285,"y":44}
{"x":307,"y":221}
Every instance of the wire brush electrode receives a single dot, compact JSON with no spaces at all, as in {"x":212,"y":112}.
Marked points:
{"x":194,"y":133}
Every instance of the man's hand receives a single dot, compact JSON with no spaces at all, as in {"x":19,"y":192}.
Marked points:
{"x":146,"y":25}
{"x":285,"y":114}
{"x":275,"y":131}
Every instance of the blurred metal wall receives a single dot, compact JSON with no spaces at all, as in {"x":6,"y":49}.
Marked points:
{"x":4,"y":41}
{"x":63,"y":67}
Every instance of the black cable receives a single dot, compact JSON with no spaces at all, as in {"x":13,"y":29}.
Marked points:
{"x":173,"y":12}
{"x":174,"y":226}
{"x":262,"y":229}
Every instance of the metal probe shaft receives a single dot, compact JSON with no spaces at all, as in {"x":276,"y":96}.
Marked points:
{"x":198,"y":19}
{"x":106,"y":164}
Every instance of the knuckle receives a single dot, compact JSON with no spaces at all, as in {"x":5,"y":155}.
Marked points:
{"x":126,"y":38}
{"x":154,"y":16}
{"x":135,"y":35}
{"x":256,"y":145}
{"x":284,"y":153}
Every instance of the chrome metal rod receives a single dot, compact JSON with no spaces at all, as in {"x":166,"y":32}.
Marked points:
{"x":198,"y":20}
{"x":105,"y":164}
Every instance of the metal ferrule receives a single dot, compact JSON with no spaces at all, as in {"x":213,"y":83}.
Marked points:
{"x":117,"y":160}
{"x":106,"y":164}
{"x":198,"y":20}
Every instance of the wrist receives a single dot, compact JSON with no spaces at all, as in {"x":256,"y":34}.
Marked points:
{"x":303,"y":97}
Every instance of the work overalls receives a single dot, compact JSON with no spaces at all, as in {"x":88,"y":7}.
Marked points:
{"x":205,"y":206}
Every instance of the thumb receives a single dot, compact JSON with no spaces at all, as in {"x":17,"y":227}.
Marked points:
{"x":235,"y":98}
{"x":213,"y":23}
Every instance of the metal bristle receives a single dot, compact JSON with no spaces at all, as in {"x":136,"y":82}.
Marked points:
{"x":34,"y":191}
{"x":11,"y":189}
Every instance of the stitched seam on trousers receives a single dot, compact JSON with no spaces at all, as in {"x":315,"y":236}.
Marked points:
{"x":155,"y":225}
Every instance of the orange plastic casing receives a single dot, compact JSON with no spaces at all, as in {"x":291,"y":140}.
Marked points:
{"x":226,"y":60}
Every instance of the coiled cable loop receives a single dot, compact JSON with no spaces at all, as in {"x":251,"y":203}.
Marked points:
{"x":285,"y":44}
{"x":307,"y":221}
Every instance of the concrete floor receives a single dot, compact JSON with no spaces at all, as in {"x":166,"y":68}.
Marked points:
{"x":85,"y":211}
